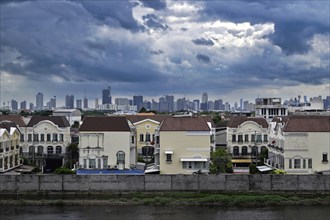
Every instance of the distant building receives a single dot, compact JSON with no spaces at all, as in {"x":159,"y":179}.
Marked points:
{"x":138,"y":101}
{"x":269,"y":108}
{"x":71,"y":115}
{"x":79,"y":104}
{"x":69,"y":101}
{"x":106,"y":96}
{"x":85,"y":103}
{"x":39,"y":101}
{"x":14,"y":105}
{"x":23,"y":105}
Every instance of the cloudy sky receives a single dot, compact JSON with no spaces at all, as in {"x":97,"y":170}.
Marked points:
{"x":229,"y":49}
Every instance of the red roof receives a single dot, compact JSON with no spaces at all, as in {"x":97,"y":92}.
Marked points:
{"x":184,"y":124}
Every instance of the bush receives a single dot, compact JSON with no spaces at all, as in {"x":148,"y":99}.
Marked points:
{"x":63,"y":170}
{"x":253,"y":168}
{"x":277,"y":171}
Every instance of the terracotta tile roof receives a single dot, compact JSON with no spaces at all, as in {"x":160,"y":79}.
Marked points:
{"x":137,"y":118}
{"x":234,"y":122}
{"x":209,"y":118}
{"x":17,"y":119}
{"x":104,"y":123}
{"x":61,"y":121}
{"x":308,"y":124}
{"x":184,"y":124}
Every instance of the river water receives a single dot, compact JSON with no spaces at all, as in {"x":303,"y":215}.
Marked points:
{"x":160,"y":213}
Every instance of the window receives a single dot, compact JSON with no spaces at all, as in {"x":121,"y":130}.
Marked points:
{"x":296,"y":163}
{"x":105,"y":162}
{"x":85,"y":163}
{"x":40,"y":150}
{"x":120,"y":157}
{"x":157,"y":139}
{"x":99,"y":163}
{"x":42,"y":137}
{"x":236,"y":151}
{"x":29,"y":137}
{"x":141,"y":137}
{"x":265,"y":138}
{"x":290,"y":164}
{"x":304,"y":164}
{"x":91,"y":164}
{"x":61,"y":137}
{"x":233,"y":139}
{"x":244,"y":151}
{"x":22,"y":137}
{"x":0,"y":163}
{"x":50,"y":150}
{"x":147,"y":137}
{"x":55,"y":137}
{"x":246,"y":138}
{"x":48,"y":137}
{"x":309,"y":163}
{"x":58,"y":149}
{"x":31,"y":149}
{"x":254,"y":151}
{"x":259,"y":138}
{"x":35,"y":137}
{"x":132,"y":139}
{"x":252,"y":137}
{"x":240,"y":138}
{"x":325,"y":157}
{"x":168,"y":157}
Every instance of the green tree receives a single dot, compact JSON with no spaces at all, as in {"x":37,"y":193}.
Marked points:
{"x":143,"y":110}
{"x":221,"y":162}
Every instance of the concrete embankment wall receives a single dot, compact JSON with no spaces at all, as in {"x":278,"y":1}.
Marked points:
{"x":122,"y":183}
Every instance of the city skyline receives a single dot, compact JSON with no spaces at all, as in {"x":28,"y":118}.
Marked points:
{"x":231,"y":50}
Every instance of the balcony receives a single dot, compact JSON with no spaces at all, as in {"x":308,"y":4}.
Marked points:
{"x":247,"y":156}
{"x":42,"y":155}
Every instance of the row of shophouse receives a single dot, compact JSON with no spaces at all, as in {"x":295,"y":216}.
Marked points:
{"x":167,"y":144}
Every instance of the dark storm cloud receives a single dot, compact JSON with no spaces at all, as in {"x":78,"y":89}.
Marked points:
{"x":152,"y":21}
{"x":155,"y":4}
{"x":203,"y":58}
{"x":295,"y":21}
{"x":113,"y":13}
{"x":203,"y":41}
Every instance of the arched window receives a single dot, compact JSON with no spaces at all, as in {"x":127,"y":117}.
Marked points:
{"x":55,"y":137}
{"x":48,"y":137}
{"x":244,"y":150}
{"x":58,"y":150}
{"x":50,"y":150}
{"x":31,"y":150}
{"x":61,"y":137}
{"x":236,"y":151}
{"x":120,"y":157}
{"x":254,"y":151}
{"x":40,"y":150}
{"x":141,"y":137}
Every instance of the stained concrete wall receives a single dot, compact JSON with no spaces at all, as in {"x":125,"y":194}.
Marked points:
{"x":121,"y":183}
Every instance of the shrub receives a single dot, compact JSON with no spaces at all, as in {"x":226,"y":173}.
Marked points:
{"x":63,"y":170}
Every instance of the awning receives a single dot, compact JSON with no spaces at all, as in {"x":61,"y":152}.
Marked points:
{"x":264,"y":168}
{"x":168,"y":152}
{"x":193,"y":159}
{"x":241,"y":160}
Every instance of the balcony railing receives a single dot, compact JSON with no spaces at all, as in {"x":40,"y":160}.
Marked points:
{"x":42,"y":155}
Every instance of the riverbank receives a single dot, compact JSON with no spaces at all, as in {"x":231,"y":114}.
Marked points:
{"x":166,"y":199}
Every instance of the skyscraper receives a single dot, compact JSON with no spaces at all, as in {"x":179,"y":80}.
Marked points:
{"x":79,"y":103}
{"x":205,"y":98}
{"x":85,"y":103}
{"x":138,"y":101}
{"x":23,"y":105}
{"x":14,"y":105}
{"x":69,"y":101}
{"x":52,"y":103}
{"x":106,"y":96}
{"x":39,"y":101}
{"x":170,"y":102}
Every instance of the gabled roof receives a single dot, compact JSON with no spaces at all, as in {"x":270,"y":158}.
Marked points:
{"x":17,"y":119}
{"x":234,"y":122}
{"x":8,"y":126}
{"x":105,"y":123}
{"x":209,"y":119}
{"x":137,"y":118}
{"x":184,"y":124}
{"x":308,"y":124}
{"x":60,"y":121}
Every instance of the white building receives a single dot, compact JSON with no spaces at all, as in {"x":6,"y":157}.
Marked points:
{"x":106,"y":142}
{"x":45,"y":140}
{"x":9,"y":146}
{"x":303,"y":142}
{"x":269,"y":108}
{"x":246,"y":139}
{"x":71,"y":115}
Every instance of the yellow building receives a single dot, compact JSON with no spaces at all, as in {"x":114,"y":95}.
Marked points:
{"x":183,"y":145}
{"x":145,"y":127}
